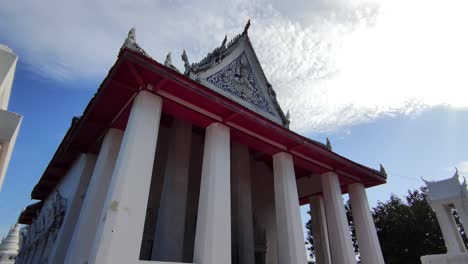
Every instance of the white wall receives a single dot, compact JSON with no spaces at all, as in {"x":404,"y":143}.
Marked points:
{"x":73,"y":188}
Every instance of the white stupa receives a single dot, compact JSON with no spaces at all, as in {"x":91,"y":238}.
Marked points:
{"x":10,"y":246}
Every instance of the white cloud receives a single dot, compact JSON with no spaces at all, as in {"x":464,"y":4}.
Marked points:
{"x":333,"y":63}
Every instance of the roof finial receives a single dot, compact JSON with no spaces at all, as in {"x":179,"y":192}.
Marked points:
{"x":426,"y":182}
{"x":223,"y":45}
{"x":168,"y":60}
{"x":383,"y":171}
{"x":130,"y":43}
{"x":456,"y":173}
{"x":131,"y":37}
{"x":246,"y":28}
{"x":328,"y":144}
{"x":186,"y":63}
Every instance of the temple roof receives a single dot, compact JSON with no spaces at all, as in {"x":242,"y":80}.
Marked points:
{"x":446,"y":188}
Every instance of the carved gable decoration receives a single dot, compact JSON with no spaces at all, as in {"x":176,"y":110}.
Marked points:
{"x":234,"y":71}
{"x":238,"y":79}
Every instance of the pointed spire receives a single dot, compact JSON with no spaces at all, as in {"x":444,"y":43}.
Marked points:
{"x":168,"y":60}
{"x":455,"y":175}
{"x":131,"y":37}
{"x":246,"y":28}
{"x":10,"y":244}
{"x":383,"y":171}
{"x":223,"y":45}
{"x":130,"y":43}
{"x":288,"y":116}
{"x":426,"y":182}
{"x":186,"y":63}
{"x":328,"y":144}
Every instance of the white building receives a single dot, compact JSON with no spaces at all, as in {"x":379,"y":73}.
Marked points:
{"x":9,"y":122}
{"x":194,"y":167}
{"x":443,"y":196}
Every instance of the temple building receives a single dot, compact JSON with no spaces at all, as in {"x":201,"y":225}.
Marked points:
{"x":9,"y":122}
{"x":194,"y":166}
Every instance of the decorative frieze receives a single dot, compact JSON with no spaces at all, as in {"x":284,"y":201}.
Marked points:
{"x":238,"y":79}
{"x":44,"y":227}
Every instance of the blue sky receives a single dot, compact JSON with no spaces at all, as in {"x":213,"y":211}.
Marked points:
{"x":399,"y":101}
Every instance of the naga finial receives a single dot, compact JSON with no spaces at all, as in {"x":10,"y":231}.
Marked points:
{"x":223,"y":45}
{"x":455,"y":175}
{"x":288,"y":116}
{"x":328,"y":144}
{"x":246,"y":28}
{"x":186,"y":62}
{"x":168,"y":60}
{"x":426,"y":182}
{"x":383,"y":171}
{"x":131,"y":37}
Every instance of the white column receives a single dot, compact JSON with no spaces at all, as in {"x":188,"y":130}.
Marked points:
{"x":213,"y":233}
{"x":369,"y":246}
{"x":85,"y":166}
{"x":319,"y":230}
{"x":87,"y":225}
{"x":452,"y":237}
{"x":170,"y":228}
{"x":338,"y":230}
{"x":243,"y":234}
{"x":291,"y":248}
{"x":118,"y":239}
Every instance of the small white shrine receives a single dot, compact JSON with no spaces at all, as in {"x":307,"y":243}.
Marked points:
{"x":443,"y":196}
{"x":10,"y":246}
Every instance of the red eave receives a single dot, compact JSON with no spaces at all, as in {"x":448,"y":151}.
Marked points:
{"x":189,"y":100}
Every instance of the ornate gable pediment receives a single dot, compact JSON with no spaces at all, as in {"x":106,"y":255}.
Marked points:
{"x":234,"y":71}
{"x":238,"y":79}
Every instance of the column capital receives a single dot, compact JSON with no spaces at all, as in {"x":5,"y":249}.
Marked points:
{"x":329,"y":173}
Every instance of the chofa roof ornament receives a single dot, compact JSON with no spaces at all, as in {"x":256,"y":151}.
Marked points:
{"x":187,"y":66}
{"x":383,"y":171}
{"x":168,"y":62}
{"x":456,"y":175}
{"x":246,"y":28}
{"x":328,"y":144}
{"x":130,"y":43}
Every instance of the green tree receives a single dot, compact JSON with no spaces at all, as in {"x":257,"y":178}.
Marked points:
{"x":407,"y":231}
